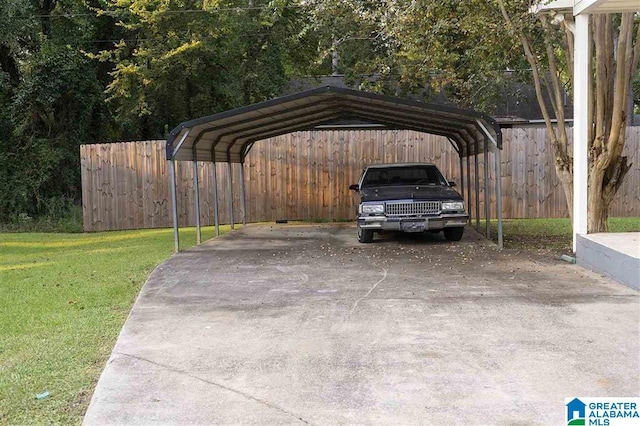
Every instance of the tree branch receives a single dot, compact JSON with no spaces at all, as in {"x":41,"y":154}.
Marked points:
{"x":556,"y":90}
{"x":624,"y":54}
{"x":610,"y":65}
{"x":568,"y":41}
{"x":600,"y":84}
{"x":537,"y":81}
{"x":636,"y":52}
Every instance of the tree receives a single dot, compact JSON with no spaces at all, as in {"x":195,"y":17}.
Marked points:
{"x":178,"y":60}
{"x":349,"y":40}
{"x":83,"y":71}
{"x":444,"y":51}
{"x":53,"y":112}
{"x":616,"y":51}
{"x":436,"y":50}
{"x":460,"y":51}
{"x":51,"y":100}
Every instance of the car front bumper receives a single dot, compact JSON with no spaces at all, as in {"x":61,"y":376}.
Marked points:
{"x":413,"y":224}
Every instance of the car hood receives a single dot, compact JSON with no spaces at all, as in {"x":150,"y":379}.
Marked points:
{"x":409,"y":192}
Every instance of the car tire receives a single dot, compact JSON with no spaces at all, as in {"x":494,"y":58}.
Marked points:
{"x":364,"y":235}
{"x":453,"y":234}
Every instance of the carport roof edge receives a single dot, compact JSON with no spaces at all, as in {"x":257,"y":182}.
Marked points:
{"x":228,"y":136}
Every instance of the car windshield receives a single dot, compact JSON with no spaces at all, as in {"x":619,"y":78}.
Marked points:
{"x":405,"y":175}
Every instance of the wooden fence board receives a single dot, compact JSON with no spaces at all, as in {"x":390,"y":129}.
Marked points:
{"x":306,"y":175}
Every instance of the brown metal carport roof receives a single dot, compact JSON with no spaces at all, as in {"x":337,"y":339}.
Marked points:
{"x":228,"y":136}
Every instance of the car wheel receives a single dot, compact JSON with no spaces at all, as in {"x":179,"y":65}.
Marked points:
{"x":364,"y":235}
{"x":453,"y":234}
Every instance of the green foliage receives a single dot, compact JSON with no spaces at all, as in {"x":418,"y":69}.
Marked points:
{"x":347,"y":29}
{"x":52,"y":112}
{"x":452,"y":51}
{"x":59,"y":214}
{"x":83,"y":71}
{"x":50,"y":103}
{"x":98,"y":71}
{"x":185,"y":60}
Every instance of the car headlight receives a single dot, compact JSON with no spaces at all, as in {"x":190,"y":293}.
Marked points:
{"x":373,"y":208}
{"x":453,"y":205}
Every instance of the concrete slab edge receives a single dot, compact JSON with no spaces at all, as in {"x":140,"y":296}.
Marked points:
{"x":607,"y":261}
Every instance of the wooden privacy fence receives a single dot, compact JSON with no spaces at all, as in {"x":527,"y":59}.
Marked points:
{"x":306,"y":175}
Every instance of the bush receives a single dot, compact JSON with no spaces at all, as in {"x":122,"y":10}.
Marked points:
{"x":59,"y":214}
{"x":42,"y":122}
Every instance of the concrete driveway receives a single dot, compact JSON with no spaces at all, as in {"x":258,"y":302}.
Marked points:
{"x":301,"y":324}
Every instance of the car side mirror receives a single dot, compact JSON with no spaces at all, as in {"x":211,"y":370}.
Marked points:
{"x":354,"y":187}
{"x":452,"y":183}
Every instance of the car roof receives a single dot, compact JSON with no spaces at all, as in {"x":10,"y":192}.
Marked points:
{"x":376,"y":166}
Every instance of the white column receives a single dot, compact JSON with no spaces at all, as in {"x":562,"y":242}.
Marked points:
{"x":581,"y":78}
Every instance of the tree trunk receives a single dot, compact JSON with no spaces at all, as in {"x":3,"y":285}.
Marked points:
{"x":600,"y":195}
{"x":566,"y":180}
{"x":617,"y":54}
{"x":603,"y":186}
{"x":597,"y":209}
{"x":598,"y":216}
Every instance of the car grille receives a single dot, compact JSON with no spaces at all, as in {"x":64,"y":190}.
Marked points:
{"x":428,"y":208}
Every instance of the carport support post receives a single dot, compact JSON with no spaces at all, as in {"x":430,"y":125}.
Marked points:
{"x":477,"y":178}
{"x":468,"y":184}
{"x":174,"y":200}
{"x":196,"y":190}
{"x":461,"y":176}
{"x":216,"y":217}
{"x":243,"y":191}
{"x":487,"y":198}
{"x":230,"y":172}
{"x":499,"y":195}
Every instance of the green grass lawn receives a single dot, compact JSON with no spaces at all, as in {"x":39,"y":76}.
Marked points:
{"x":63,"y":301}
{"x":549,"y":235}
{"x":65,"y":297}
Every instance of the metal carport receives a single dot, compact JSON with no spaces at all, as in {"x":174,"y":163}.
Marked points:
{"x":228,"y":136}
